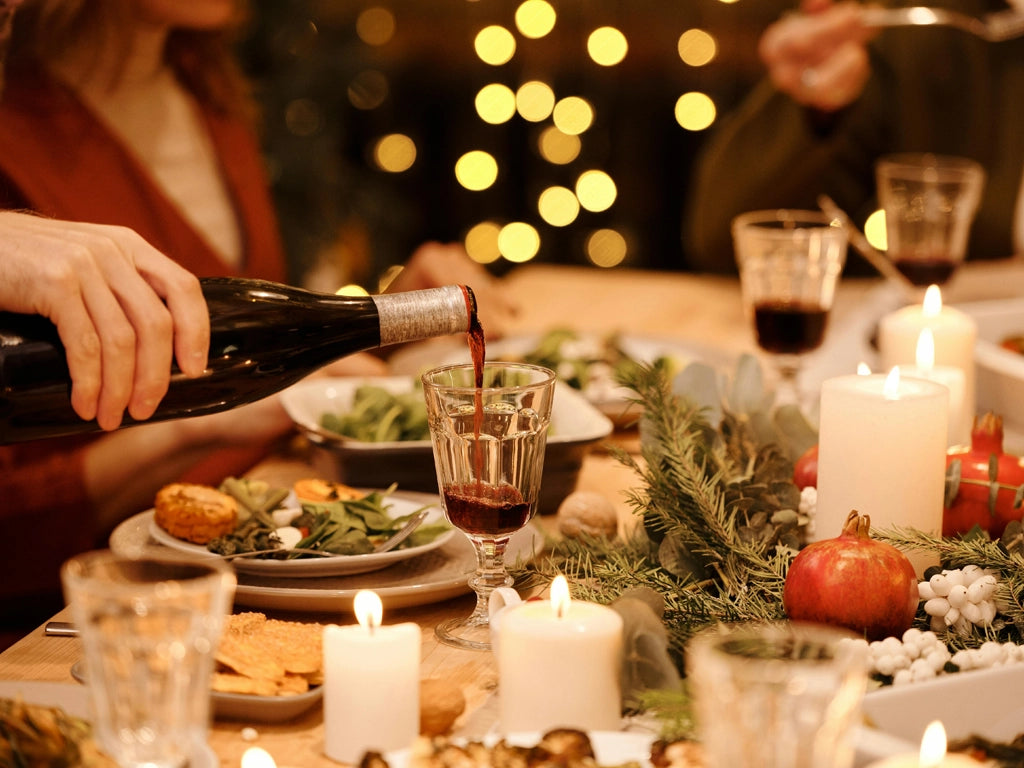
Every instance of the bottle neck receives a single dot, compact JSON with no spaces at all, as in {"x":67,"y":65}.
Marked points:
{"x":423,"y":314}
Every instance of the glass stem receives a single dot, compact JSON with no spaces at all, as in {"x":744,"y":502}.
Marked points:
{"x":490,"y":574}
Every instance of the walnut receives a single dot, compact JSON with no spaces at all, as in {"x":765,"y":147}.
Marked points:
{"x":587,"y":513}
{"x":441,"y":703}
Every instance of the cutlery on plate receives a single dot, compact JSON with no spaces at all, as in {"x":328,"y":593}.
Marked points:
{"x":404,"y":532}
{"x":60,"y":629}
{"x":876,"y":258}
{"x":994,"y":27}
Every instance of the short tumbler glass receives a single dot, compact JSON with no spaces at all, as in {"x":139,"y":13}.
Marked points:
{"x":777,"y":695}
{"x":150,"y":629}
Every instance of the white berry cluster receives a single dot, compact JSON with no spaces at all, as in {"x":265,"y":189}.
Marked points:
{"x":960,"y":599}
{"x":921,"y":655}
{"x":808,"y":506}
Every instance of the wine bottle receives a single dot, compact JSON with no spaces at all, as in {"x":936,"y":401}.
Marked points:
{"x":263,"y":337}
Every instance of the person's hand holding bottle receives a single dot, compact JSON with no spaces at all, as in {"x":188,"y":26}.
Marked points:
{"x":818,"y":55}
{"x":121,"y":307}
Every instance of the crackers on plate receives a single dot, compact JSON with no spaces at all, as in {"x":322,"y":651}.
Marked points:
{"x":268,"y":657}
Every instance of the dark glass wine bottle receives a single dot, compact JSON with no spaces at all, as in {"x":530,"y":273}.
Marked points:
{"x":263,"y":338}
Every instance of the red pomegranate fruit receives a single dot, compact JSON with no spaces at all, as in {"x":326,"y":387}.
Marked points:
{"x":988,"y":482}
{"x":805,"y":471}
{"x":853,"y":581}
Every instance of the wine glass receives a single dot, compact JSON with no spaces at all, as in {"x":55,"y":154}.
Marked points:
{"x":929,"y":203}
{"x":789,"y":263}
{"x":488,"y":442}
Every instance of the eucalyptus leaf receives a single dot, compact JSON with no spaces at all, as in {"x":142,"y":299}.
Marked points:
{"x":677,"y":561}
{"x":698,"y":382}
{"x":748,"y":393}
{"x":953,"y":475}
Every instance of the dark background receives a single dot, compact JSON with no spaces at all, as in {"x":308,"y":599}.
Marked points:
{"x":305,"y":55}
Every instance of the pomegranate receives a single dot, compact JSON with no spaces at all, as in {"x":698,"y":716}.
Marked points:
{"x":988,"y":482}
{"x":805,"y":471}
{"x":853,"y":581}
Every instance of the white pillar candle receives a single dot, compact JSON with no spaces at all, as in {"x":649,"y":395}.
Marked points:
{"x":882,"y":452}
{"x":961,"y":418}
{"x":371,"y":684}
{"x":559,"y":663}
{"x":955,"y":334}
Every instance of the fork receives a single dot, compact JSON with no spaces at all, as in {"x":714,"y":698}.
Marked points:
{"x":994,"y":27}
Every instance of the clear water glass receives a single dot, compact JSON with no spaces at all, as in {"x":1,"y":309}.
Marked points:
{"x":149,"y":629}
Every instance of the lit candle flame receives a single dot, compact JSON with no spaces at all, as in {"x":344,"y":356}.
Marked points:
{"x":891,"y":389}
{"x":932,"y":306}
{"x":368,"y":608}
{"x":560,"y":599}
{"x":863,"y":369}
{"x":257,"y":757}
{"x":926,"y":350}
{"x":933,"y":745}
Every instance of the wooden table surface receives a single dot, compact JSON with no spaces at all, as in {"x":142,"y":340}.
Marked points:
{"x":690,"y":308}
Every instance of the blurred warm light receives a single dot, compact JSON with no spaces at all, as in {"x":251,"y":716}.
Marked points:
{"x":572,"y":115}
{"x":494,"y":45}
{"x":368,"y":89}
{"x":595,"y":190}
{"x":695,"y":111}
{"x":518,"y":242}
{"x":535,"y":18}
{"x":607,"y":46}
{"x":476,"y":170}
{"x":558,"y":206}
{"x":697,"y":47}
{"x":557,"y":147}
{"x":606,"y":248}
{"x":481,"y":242}
{"x":535,"y":100}
{"x":303,"y":117}
{"x":352,"y":290}
{"x":394,"y":153}
{"x":874,"y":230}
{"x":495,"y":103}
{"x":375,"y":26}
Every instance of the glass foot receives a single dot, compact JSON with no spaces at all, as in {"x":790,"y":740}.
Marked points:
{"x":469,"y":633}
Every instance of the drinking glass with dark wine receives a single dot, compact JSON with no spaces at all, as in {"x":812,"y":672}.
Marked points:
{"x":789,"y":263}
{"x":488,"y":435}
{"x":929,"y":203}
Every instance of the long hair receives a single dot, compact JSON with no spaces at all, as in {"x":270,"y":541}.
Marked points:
{"x":203,"y":60}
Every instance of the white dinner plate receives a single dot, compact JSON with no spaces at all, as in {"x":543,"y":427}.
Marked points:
{"x":438,"y":575}
{"x":338,"y":565}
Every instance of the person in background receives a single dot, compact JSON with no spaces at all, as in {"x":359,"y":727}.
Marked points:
{"x":133,"y":114}
{"x":838,"y":95}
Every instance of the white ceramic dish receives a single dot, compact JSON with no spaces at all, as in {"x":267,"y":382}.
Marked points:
{"x":575,"y":426}
{"x":340,"y":565}
{"x":986,"y":702}
{"x":999,"y":372}
{"x":73,"y":699}
{"x":438,"y":575}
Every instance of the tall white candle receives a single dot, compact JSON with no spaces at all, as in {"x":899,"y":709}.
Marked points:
{"x":882,"y":452}
{"x":960,"y":416}
{"x":955,"y":334}
{"x":559,"y":663}
{"x":371,"y":684}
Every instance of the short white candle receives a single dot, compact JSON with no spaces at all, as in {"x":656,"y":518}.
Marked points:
{"x":257,"y":757}
{"x":932,"y":754}
{"x":955,"y":334}
{"x":960,"y":416}
{"x":559,"y":663}
{"x":371,"y":684}
{"x":882,"y":452}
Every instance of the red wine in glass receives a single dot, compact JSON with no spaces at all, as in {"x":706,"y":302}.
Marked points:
{"x":486,"y":510}
{"x":925,"y":271}
{"x":789,"y":327}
